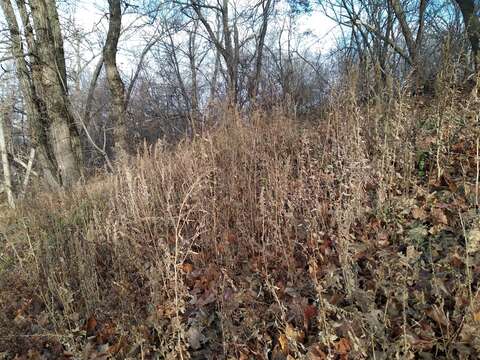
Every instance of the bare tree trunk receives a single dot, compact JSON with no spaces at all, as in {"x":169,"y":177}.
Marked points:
{"x":115,"y":83}
{"x":230,"y":54}
{"x":5,"y":165}
{"x":172,"y":53}
{"x":33,"y":105}
{"x":413,"y":43}
{"x":91,"y":91}
{"x":194,"y":112}
{"x":135,"y":76}
{"x":216,"y":69}
{"x":253,"y":90}
{"x":405,"y":27}
{"x":227,"y":49}
{"x":64,"y":133}
{"x":472,"y":27}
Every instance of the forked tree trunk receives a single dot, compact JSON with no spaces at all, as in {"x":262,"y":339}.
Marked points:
{"x":229,"y":48}
{"x":412,"y":41}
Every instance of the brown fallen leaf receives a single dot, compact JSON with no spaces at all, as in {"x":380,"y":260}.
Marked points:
{"x":343,"y":346}
{"x":91,"y":325}
{"x":294,"y":334}
{"x":419,"y":213}
{"x":105,"y":333}
{"x":439,"y":217}
{"x":456,"y":261}
{"x":187,"y":268}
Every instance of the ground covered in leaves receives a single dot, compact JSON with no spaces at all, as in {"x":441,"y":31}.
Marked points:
{"x":356,"y":237}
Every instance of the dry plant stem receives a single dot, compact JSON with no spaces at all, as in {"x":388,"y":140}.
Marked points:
{"x":181,"y":221}
{"x":17,"y":255}
{"x":439,"y":146}
{"x":468,"y":271}
{"x":404,"y":315}
{"x":477,"y":162}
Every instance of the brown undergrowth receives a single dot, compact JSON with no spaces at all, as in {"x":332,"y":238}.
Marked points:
{"x":354,"y":237}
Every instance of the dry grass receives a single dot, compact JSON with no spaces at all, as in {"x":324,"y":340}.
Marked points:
{"x":265,"y":238}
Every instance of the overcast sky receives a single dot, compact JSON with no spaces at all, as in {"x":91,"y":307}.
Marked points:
{"x":89,"y":13}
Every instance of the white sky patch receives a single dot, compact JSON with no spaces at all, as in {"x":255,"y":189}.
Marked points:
{"x":323,"y":28}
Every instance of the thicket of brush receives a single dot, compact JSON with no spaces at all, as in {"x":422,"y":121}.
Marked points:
{"x":351,"y":236}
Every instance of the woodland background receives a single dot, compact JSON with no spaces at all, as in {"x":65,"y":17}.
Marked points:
{"x":230,"y":191}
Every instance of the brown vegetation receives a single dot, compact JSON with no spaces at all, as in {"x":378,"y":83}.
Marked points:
{"x":353,"y":236}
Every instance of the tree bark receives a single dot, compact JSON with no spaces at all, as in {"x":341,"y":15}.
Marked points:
{"x":226,"y":49}
{"x":407,"y":33}
{"x":91,"y":91}
{"x":194,"y":111}
{"x":253,"y":90}
{"x":63,"y":130}
{"x":5,"y":164}
{"x":115,"y":83}
{"x":472,"y":27}
{"x":33,"y":105}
